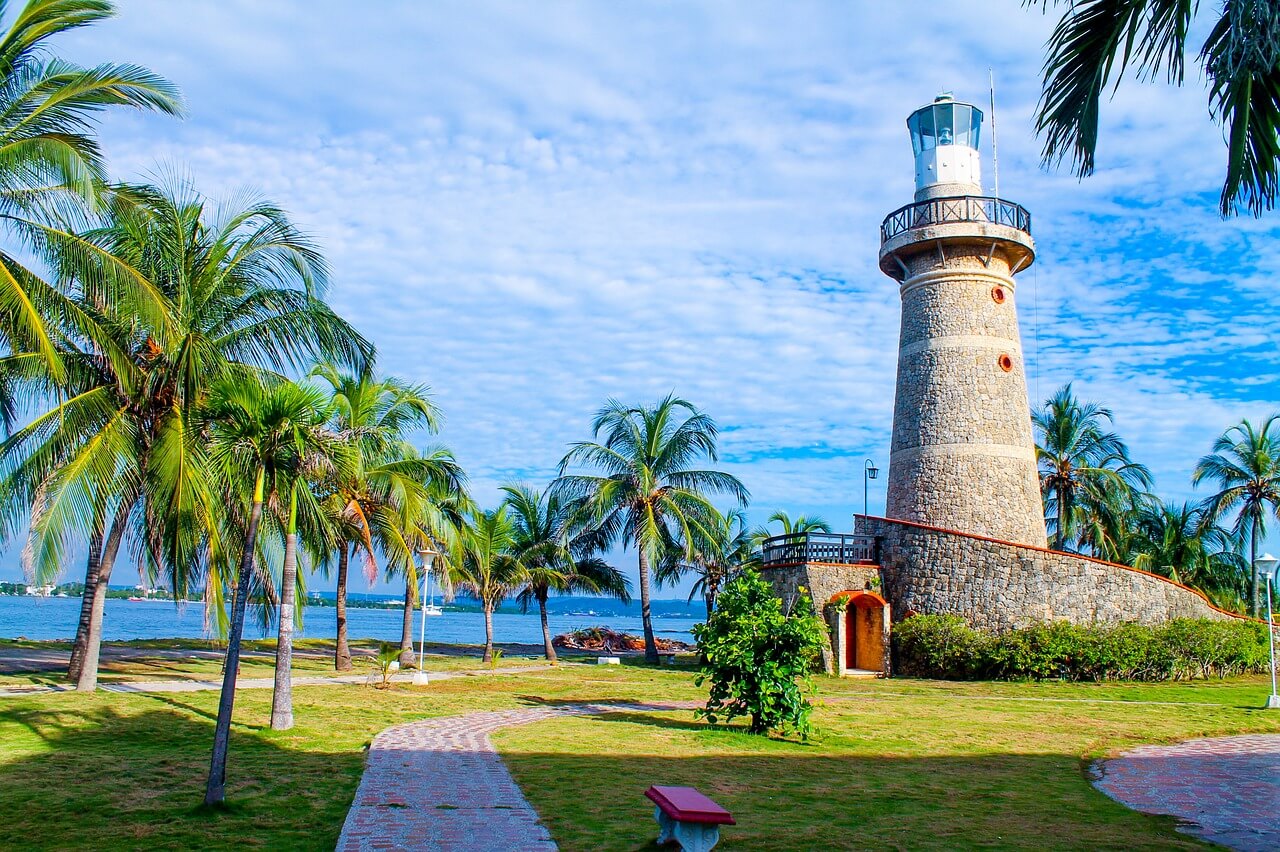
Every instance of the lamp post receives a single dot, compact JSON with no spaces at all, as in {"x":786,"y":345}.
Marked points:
{"x":428,"y":559}
{"x":869,"y":472}
{"x":1266,"y":565}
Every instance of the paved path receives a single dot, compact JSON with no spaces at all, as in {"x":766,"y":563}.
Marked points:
{"x":438,"y":785}
{"x":260,"y":682}
{"x":1227,"y":789}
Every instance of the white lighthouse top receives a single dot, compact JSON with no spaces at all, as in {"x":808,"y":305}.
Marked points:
{"x":944,"y":137}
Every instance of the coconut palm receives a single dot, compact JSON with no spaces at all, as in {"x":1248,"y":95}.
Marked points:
{"x":1174,"y":541}
{"x":719,"y":550}
{"x":801,"y":524}
{"x":257,"y":434}
{"x":424,"y":509}
{"x":395,"y":491}
{"x":1078,"y":456}
{"x":1097,"y":41}
{"x":1107,"y":519}
{"x":484,"y":561}
{"x":546,"y":536}
{"x":643,"y":491}
{"x":52,"y":172}
{"x":115,"y":456}
{"x":328,"y":456}
{"x":1245,"y":466}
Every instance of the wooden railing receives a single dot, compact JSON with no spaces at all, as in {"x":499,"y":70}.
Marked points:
{"x":841,"y":548}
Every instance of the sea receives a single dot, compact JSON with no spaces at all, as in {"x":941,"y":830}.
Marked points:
{"x":29,"y":617}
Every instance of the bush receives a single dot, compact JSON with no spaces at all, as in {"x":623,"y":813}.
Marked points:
{"x":938,"y":646}
{"x":944,"y":646}
{"x":758,"y":658}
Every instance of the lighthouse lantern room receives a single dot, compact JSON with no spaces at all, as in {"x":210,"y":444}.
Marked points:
{"x":944,"y":136}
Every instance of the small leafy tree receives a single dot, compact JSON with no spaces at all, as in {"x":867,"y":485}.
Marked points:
{"x":758,"y":658}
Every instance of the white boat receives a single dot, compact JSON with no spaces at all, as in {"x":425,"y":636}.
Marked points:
{"x":432,"y":609}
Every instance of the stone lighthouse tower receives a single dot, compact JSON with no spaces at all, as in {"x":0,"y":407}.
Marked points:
{"x":963,"y":453}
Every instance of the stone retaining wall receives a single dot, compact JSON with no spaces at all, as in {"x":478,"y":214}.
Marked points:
{"x":823,"y":581}
{"x":998,"y":585}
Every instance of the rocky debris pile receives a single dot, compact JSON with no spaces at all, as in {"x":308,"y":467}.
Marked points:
{"x":604,"y":639}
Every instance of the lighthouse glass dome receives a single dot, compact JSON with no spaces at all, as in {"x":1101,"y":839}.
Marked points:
{"x":944,"y":123}
{"x":944,"y":139}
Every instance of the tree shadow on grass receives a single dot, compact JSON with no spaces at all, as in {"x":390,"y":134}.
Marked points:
{"x":105,"y":778}
{"x":807,"y":801}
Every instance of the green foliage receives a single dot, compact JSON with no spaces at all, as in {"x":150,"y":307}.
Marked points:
{"x":385,"y":661}
{"x":944,"y":646}
{"x":758,"y":658}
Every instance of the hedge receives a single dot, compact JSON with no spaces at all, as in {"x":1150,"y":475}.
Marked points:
{"x":946,"y":647}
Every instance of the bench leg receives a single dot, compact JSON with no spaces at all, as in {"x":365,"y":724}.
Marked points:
{"x":696,"y":837}
{"x":666,"y":826}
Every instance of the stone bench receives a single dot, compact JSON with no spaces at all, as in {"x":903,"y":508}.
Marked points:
{"x":687,"y":817}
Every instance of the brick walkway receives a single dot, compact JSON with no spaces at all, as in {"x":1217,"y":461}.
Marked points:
{"x":438,"y":785}
{"x":1226,"y":789}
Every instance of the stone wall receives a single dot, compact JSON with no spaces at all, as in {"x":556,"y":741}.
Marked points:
{"x":824,"y":581}
{"x":998,"y":585}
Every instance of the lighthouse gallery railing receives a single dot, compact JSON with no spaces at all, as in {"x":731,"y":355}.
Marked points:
{"x":839,"y":548}
{"x":963,"y":208}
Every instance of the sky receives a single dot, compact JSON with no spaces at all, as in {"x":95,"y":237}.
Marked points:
{"x":533,"y":207}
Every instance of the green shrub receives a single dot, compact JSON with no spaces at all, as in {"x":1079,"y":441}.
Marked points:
{"x":758,"y":658}
{"x":938,"y":646}
{"x":944,"y":646}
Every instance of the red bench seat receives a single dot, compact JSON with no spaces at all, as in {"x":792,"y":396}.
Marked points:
{"x":686,"y":804}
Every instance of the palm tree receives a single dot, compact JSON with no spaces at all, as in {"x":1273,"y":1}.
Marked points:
{"x":484,"y":561}
{"x":1078,"y":456}
{"x":1097,"y":41}
{"x":52,"y":171}
{"x":329,"y":456}
{"x":1245,"y":465}
{"x":394,"y":489}
{"x":1175,"y":542}
{"x":721,"y":549}
{"x":544,"y":540}
{"x":646,"y":494}
{"x":802,"y":524}
{"x":116,"y":455}
{"x":1107,"y":519}
{"x":256,"y":434}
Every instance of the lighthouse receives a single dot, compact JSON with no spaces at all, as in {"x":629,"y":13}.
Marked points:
{"x":963,"y":453}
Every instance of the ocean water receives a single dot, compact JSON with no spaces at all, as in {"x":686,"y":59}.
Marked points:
{"x":55,"y":618}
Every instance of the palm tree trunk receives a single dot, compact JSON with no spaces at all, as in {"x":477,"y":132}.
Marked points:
{"x":488,"y":632}
{"x":548,"y":649}
{"x":406,"y":626}
{"x":86,"y":603}
{"x":1062,"y":518}
{"x":282,"y":693}
{"x":342,"y":653}
{"x":87,"y":681}
{"x":215,"y":789}
{"x":1253,"y":569}
{"x":650,"y":646}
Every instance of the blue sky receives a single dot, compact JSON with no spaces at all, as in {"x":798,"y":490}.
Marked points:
{"x":532,"y":207}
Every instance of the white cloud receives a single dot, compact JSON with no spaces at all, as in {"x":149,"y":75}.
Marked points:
{"x":533,"y":207}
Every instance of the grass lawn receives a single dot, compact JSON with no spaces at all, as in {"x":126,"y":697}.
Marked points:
{"x":896,"y":764}
{"x":171,"y":659}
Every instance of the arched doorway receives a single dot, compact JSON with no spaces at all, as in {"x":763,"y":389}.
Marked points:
{"x":865,"y":620}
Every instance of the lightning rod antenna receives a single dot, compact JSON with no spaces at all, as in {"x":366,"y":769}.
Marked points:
{"x":995,"y":149}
